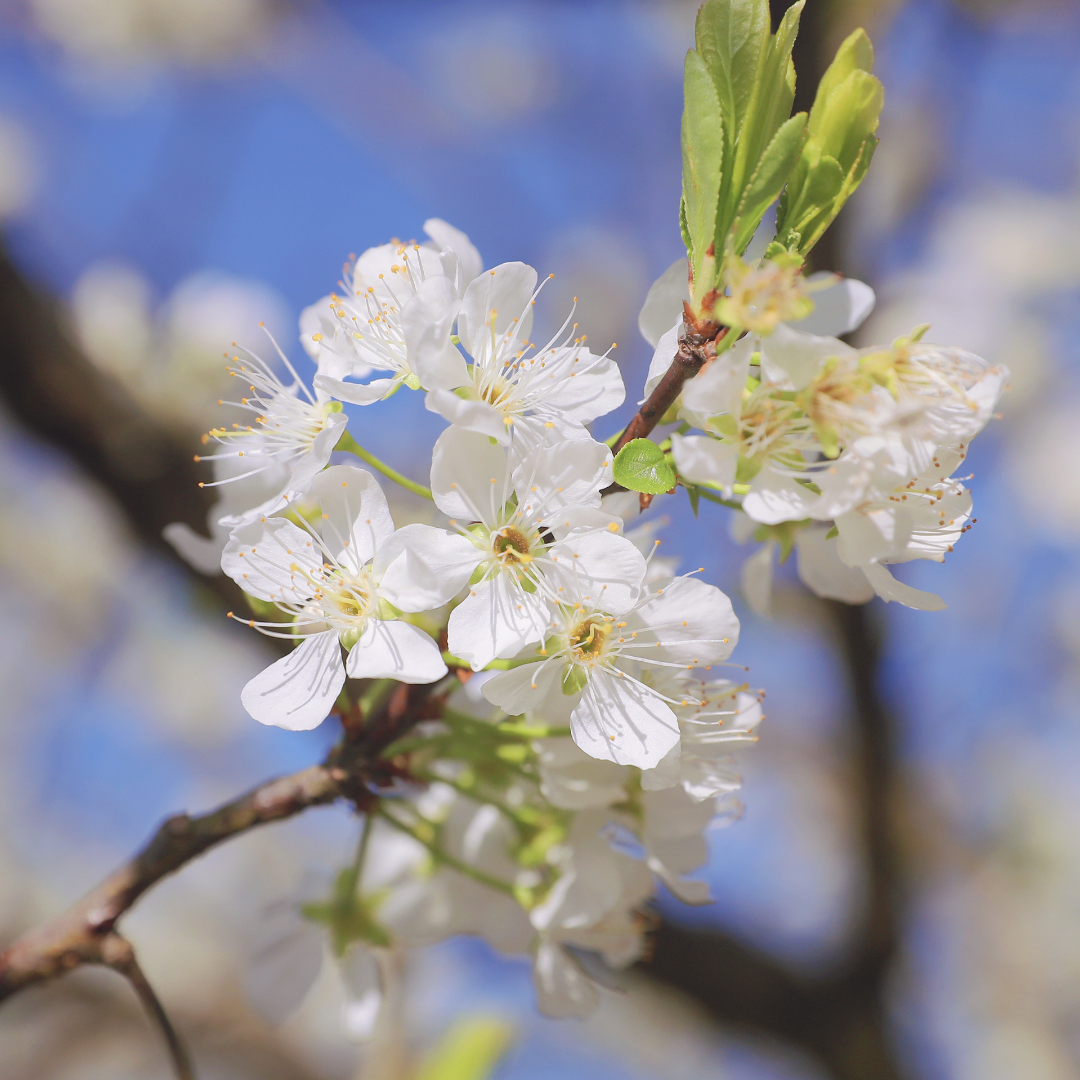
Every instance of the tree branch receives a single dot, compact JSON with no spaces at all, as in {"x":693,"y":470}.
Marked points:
{"x":119,"y":954}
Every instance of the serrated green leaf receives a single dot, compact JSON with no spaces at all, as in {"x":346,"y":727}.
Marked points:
{"x":703,"y":156}
{"x":772,"y":172}
{"x":731,"y":36}
{"x":641,"y":466}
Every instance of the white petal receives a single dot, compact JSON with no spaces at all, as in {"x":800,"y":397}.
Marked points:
{"x":790,"y":358}
{"x":839,"y":309}
{"x":572,"y":780}
{"x":201,"y":552}
{"x":664,"y":301}
{"x":694,"y":621}
{"x":363,"y":992}
{"x":705,"y":461}
{"x":496,"y":621}
{"x":664,"y":354}
{"x":566,"y":474}
{"x":756,"y":579}
{"x":475,"y":416}
{"x":598,"y":567}
{"x":822,"y":571}
{"x":426,"y":321}
{"x":355,"y":393}
{"x":872,"y":534}
{"x":356,"y":517}
{"x":395,"y":650}
{"x":562,"y":988}
{"x":469,"y":478}
{"x":570,"y":518}
{"x":620,"y":720}
{"x":298,"y":691}
{"x":526,"y":687}
{"x":259,"y":557}
{"x":420,"y":567}
{"x":888,"y":588}
{"x":469,"y":261}
{"x":582,"y":384}
{"x":774,"y":497}
{"x":285,"y":969}
{"x":305,"y":468}
{"x":719,"y":388}
{"x":506,"y":291}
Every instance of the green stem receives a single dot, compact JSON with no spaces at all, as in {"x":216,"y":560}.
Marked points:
{"x":496,"y":665}
{"x":357,"y":867}
{"x":348,"y":444}
{"x":705,"y":493}
{"x":449,"y":860}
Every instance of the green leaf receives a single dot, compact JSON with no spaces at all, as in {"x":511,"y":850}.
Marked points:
{"x":769,"y":177}
{"x":703,"y":156}
{"x":839,"y":145}
{"x":731,"y":36}
{"x":641,"y":466}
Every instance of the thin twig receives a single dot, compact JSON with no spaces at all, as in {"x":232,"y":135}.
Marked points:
{"x":119,"y":954}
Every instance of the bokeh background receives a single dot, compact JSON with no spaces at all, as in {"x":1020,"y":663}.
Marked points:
{"x":172,"y":172}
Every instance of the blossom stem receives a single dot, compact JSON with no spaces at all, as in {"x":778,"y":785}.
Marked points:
{"x":348,"y":444}
{"x":705,"y":493}
{"x":496,"y":665}
{"x":357,"y":866}
{"x":449,"y":860}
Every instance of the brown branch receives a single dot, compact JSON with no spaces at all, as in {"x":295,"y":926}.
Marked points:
{"x":82,"y":934}
{"x":119,"y":954}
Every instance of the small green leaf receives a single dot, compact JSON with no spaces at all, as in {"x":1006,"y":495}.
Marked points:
{"x":695,"y":498}
{"x":832,"y":533}
{"x":703,"y":155}
{"x":641,"y":466}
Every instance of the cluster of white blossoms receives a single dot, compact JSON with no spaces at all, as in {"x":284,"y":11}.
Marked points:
{"x":578,"y":734}
{"x":846,"y":455}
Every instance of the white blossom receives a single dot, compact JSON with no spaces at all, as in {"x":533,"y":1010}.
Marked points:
{"x":595,"y":660}
{"x":324,"y":580}
{"x":396,"y":313}
{"x":511,"y":385}
{"x":527,"y":530}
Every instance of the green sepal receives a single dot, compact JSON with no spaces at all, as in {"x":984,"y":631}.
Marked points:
{"x":642,"y":466}
{"x":346,"y":916}
{"x":783,"y":534}
{"x":832,"y":533}
{"x":574,"y":679}
{"x":694,"y":496}
{"x":746,"y":469}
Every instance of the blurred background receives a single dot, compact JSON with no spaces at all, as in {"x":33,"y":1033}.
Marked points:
{"x":902,"y":895}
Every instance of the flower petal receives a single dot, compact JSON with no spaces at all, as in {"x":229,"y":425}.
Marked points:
{"x":662,"y":359}
{"x":525,"y":688}
{"x":598,"y":567}
{"x":355,"y":393}
{"x":475,"y":416}
{"x":693,"y":620}
{"x":822,"y":571}
{"x":298,"y":691}
{"x":501,"y":299}
{"x":496,"y":621}
{"x":469,"y":476}
{"x":664,"y":301}
{"x":362,"y":981}
{"x":469,"y":262}
{"x":395,"y":650}
{"x":620,"y":720}
{"x":888,"y":588}
{"x":355,"y":515}
{"x":839,"y":309}
{"x":705,"y":461}
{"x":267,"y":559}
{"x":426,"y":321}
{"x":420,"y":567}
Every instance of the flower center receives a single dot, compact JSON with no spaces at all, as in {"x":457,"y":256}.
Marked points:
{"x":346,"y":598}
{"x":588,"y":638}
{"x":511,"y":545}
